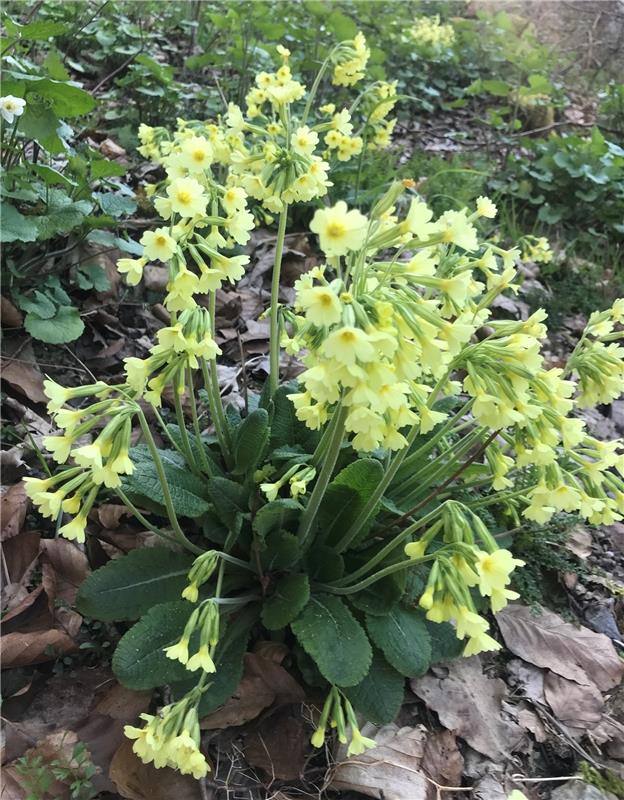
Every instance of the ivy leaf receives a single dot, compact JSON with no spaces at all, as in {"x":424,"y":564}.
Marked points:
{"x":403,"y":638}
{"x":127,"y":587}
{"x":17,"y":227}
{"x":289,"y":597}
{"x":139,"y":661}
{"x":379,"y":696}
{"x":64,"y":326}
{"x":331,"y":635}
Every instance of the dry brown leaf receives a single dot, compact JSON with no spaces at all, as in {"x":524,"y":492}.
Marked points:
{"x":263,"y":683}
{"x":70,"y":565}
{"x":527,"y":679}
{"x":110,"y":514}
{"x":36,"y":647}
{"x":391,"y":770}
{"x":547,"y":641}
{"x":470,"y":704}
{"x":138,"y":781}
{"x":279,"y":745}
{"x":58,"y":746}
{"x":110,"y":149}
{"x":579,"y":542}
{"x":573,"y":704}
{"x":122,"y":703}
{"x":19,"y":368}
{"x":11,"y":316}
{"x":442,"y":760}
{"x":532,"y":723}
{"x":11,"y":786}
{"x":20,"y":553}
{"x":14,"y":505}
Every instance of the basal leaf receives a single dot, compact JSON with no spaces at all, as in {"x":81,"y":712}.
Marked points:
{"x":290,"y":595}
{"x":331,"y":635}
{"x":379,"y":696}
{"x":403,"y":638}
{"x":139,"y":661}
{"x":127,"y":587}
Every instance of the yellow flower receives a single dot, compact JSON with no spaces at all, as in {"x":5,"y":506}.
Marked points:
{"x":179,"y":651}
{"x":75,"y":529}
{"x":58,"y":395}
{"x":348,"y":345}
{"x":59,"y":446}
{"x":303,"y":141}
{"x":196,"y":154}
{"x":234,"y":199}
{"x":418,"y":220}
{"x":359,"y":743}
{"x":191,"y":592}
{"x":239,"y":225}
{"x":187,"y":197}
{"x":339,"y":230}
{"x":322,"y":307}
{"x":158,"y":245}
{"x":132,"y":268}
{"x":201,"y":660}
{"x":486,"y":208}
{"x":480,"y":643}
{"x":456,"y":229}
{"x":494,"y":570}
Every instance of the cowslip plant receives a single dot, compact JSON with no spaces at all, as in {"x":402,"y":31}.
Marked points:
{"x":356,"y":512}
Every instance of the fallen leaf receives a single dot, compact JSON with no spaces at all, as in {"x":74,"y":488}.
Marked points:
{"x":579,"y":542}
{"x":470,"y":704}
{"x":264,"y":683}
{"x":23,"y":373}
{"x":12,"y":465}
{"x":578,"y":790}
{"x":13,"y":512}
{"x":573,"y":704}
{"x":19,"y":554}
{"x":11,"y":316}
{"x":24,"y":649}
{"x":110,"y":514}
{"x":527,"y":678}
{"x":442,"y":760}
{"x":391,"y":770}
{"x":279,"y":745}
{"x":111,"y":149}
{"x":59,"y":747}
{"x":572,"y":652}
{"x":138,"y":781}
{"x":11,"y":788}
{"x":531,"y":722}
{"x":122,"y":703}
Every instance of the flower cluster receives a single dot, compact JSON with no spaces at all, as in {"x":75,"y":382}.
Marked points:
{"x":431,"y":35}
{"x":460,"y":565}
{"x":172,"y":738}
{"x":338,"y":713}
{"x":537,"y":249}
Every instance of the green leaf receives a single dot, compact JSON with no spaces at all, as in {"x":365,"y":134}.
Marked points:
{"x":139,"y":661}
{"x":380,"y":598}
{"x":62,"y":214}
{"x":228,"y":498}
{"x":346,"y":497}
{"x":35,"y":31}
{"x":64,"y":326}
{"x":92,"y":276}
{"x":277,"y":514}
{"x":251,"y":439}
{"x":289,"y":597}
{"x":379,"y":696}
{"x":282,"y":551}
{"x":445,"y":646}
{"x":127,"y":587}
{"x":52,"y":177}
{"x":324,"y":564}
{"x":330,"y":634}
{"x":37,"y":303}
{"x":104,"y":168}
{"x":66,"y":99}
{"x":229,"y":661}
{"x":115,"y":203}
{"x":341,"y":25}
{"x":199,"y":448}
{"x":403,"y":638}
{"x":15,"y":226}
{"x":53,"y":63}
{"x":186,"y":489}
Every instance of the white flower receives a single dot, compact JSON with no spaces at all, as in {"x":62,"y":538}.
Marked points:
{"x":11,"y":107}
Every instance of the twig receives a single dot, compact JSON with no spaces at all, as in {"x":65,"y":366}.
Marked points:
{"x":106,"y":79}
